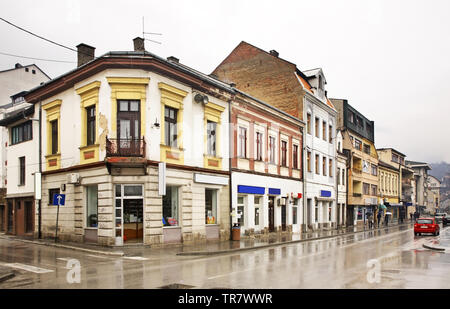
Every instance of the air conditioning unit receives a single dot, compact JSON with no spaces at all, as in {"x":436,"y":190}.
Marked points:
{"x":74,"y":178}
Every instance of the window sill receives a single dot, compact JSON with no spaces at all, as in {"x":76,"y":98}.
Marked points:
{"x":91,"y":228}
{"x":53,"y":155}
{"x":172,"y":148}
{"x":171,"y":227}
{"x":88,"y":146}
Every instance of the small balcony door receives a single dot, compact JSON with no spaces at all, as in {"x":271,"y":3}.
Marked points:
{"x":128,"y":126}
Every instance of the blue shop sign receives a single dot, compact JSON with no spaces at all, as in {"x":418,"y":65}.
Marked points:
{"x":325,"y":193}
{"x":273,"y":191}
{"x":251,"y":190}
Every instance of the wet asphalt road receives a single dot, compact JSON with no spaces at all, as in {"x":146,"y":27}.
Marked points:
{"x":374,"y":259}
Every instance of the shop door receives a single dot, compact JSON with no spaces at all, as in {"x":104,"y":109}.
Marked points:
{"x":28,"y":217}
{"x":271,"y":213}
{"x":133,"y":226}
{"x":283,"y":218}
{"x":128,"y":127}
{"x":9,"y":217}
{"x":2,"y":218}
{"x":350,"y":215}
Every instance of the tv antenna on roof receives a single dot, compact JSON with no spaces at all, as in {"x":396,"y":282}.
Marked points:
{"x":150,"y":33}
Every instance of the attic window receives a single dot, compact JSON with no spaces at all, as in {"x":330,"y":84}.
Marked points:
{"x":26,"y":69}
{"x":33,"y":71}
{"x":321,"y":82}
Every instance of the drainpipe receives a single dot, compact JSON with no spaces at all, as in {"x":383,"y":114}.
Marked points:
{"x":40,"y":171}
{"x":305,"y":219}
{"x":230,"y":144}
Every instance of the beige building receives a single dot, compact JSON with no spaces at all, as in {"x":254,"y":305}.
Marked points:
{"x":139,"y":146}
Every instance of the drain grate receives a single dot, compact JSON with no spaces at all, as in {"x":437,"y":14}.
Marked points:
{"x":176,"y":286}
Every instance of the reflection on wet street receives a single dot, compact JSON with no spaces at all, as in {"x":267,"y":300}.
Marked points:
{"x":374,"y":259}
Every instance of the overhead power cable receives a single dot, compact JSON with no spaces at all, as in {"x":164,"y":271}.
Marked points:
{"x":25,"y":57}
{"x":38,"y":36}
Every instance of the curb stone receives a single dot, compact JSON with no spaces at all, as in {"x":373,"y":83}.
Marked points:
{"x":114,"y":253}
{"x":7,"y":276}
{"x":230,"y":251}
{"x":433,"y":248}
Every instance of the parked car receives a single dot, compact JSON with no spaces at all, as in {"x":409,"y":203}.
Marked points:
{"x":426,"y":225}
{"x":445,"y":220}
{"x":439,"y":216}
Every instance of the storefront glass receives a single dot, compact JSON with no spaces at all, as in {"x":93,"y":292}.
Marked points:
{"x":211,"y":206}
{"x":170,"y":207}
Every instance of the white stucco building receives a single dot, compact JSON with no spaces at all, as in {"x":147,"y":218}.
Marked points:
{"x":341,"y":180}
{"x":320,"y":154}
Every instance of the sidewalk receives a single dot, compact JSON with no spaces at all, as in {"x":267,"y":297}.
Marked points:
{"x":209,"y":247}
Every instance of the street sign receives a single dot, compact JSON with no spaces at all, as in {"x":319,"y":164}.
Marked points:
{"x":59,"y":199}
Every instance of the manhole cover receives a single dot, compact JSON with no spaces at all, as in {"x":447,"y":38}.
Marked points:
{"x":176,"y":286}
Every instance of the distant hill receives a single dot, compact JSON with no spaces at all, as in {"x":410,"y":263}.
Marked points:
{"x":439,"y":169}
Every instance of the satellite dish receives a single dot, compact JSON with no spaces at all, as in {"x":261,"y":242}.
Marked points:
{"x":199,"y":98}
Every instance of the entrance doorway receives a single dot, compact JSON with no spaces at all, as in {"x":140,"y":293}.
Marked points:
{"x":283,"y":217}
{"x":133,"y":226}
{"x":129,"y":211}
{"x":271,"y":213}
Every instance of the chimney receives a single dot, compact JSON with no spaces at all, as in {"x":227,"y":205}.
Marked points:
{"x":18,"y":65}
{"x":274,"y":53}
{"x":139,"y":44}
{"x":173,"y":59}
{"x":86,"y":53}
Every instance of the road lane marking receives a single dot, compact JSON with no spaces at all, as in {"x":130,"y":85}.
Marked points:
{"x":29,"y":268}
{"x":98,"y":256}
{"x":136,"y":258}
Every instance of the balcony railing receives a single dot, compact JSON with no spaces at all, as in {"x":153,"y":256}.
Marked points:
{"x":356,"y":170}
{"x":120,"y":147}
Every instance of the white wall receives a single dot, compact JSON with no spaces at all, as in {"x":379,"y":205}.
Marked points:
{"x":70,"y":137}
{"x":286,"y":186}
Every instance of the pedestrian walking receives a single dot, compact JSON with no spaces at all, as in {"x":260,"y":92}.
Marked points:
{"x":411,"y":216}
{"x":379,"y":217}
{"x":370,"y":218}
{"x":386,"y":219}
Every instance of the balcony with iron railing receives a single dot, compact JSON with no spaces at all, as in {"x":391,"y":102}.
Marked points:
{"x":126,"y":156}
{"x":120,"y":147}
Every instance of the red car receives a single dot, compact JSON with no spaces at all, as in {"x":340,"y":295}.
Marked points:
{"x":426,"y":225}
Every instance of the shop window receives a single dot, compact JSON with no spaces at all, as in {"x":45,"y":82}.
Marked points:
{"x":316,"y":212}
{"x":329,"y":212}
{"x":359,"y":214}
{"x":211,"y":206}
{"x":257,"y":203}
{"x":295,"y":212}
{"x":92,"y":206}
{"x":170,"y":207}
{"x":240,"y":210}
{"x":51,"y":193}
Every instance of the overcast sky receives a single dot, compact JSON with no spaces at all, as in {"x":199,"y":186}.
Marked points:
{"x":390,"y":59}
